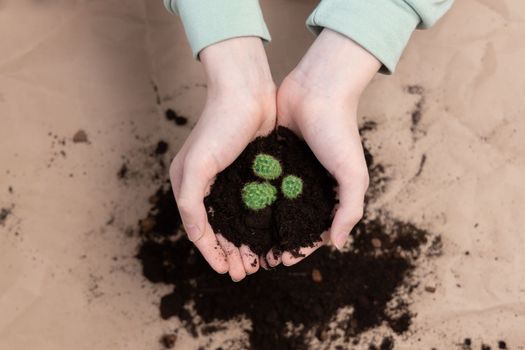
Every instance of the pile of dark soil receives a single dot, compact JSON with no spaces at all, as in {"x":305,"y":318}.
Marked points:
{"x":292,"y":307}
{"x":286,"y":225}
{"x":308,"y":294}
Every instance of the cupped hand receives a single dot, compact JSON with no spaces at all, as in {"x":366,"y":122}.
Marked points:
{"x":240,"y":106}
{"x":318,"y":101}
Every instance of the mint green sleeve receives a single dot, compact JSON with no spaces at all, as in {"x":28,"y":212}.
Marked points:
{"x":207,"y":22}
{"x":382,"y":27}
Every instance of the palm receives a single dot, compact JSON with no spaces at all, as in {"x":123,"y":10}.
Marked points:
{"x":329,"y":127}
{"x":225,"y":128}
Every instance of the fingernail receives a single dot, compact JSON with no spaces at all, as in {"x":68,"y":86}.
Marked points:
{"x":340,"y":240}
{"x":194,"y":233}
{"x":264,"y":263}
{"x":276,"y":255}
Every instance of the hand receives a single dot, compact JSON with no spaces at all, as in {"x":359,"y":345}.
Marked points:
{"x":318,"y":100}
{"x":240,"y":106}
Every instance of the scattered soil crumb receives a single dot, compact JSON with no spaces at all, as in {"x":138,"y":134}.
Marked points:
{"x":368,"y":126}
{"x":80,"y":137}
{"x":417,"y":112}
{"x":4,"y":214}
{"x":386,"y":344}
{"x":144,"y":164}
{"x":415,"y":89}
{"x":162,"y":147}
{"x":421,"y":165}
{"x":436,"y":247}
{"x":316,"y":276}
{"x":156,"y":91}
{"x":94,"y":291}
{"x":376,"y":243}
{"x":179,"y":120}
{"x":56,"y":142}
{"x":168,"y":341}
{"x":111,"y":220}
{"x":430,"y":289}
{"x":468,"y":344}
{"x":123,"y":172}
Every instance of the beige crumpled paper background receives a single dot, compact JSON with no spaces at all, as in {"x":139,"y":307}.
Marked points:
{"x":69,"y":281}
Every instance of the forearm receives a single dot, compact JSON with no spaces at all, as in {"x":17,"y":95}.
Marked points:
{"x":238,"y":64}
{"x":207,"y":22}
{"x":337,"y":66}
{"x":237,"y":70}
{"x":382,"y":27}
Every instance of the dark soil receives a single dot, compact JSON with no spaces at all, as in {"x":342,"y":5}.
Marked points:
{"x":468,"y":344}
{"x":386,"y":344}
{"x":365,"y":278}
{"x":147,"y":163}
{"x":288,"y":224}
{"x":421,"y":165}
{"x":162,"y":147}
{"x":417,"y":113}
{"x":374,"y":280}
{"x":123,"y":171}
{"x":80,"y":137}
{"x":4,"y":213}
{"x":163,"y":219}
{"x":179,"y":120}
{"x":168,"y":341}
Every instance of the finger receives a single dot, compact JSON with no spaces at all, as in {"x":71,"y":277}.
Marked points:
{"x":351,"y":199}
{"x":289,"y":258}
{"x":273,"y":257}
{"x":175,"y":177}
{"x":233,"y":255}
{"x":190,"y":197}
{"x":201,"y":233}
{"x":263,"y":262}
{"x":212,"y":251}
{"x":250,"y":260}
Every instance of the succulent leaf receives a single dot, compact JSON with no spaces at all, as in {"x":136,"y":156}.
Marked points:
{"x":258,"y":195}
{"x":292,"y":186}
{"x":267,"y":167}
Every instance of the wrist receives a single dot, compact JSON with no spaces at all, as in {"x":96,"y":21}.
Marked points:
{"x":336,"y":66}
{"x":237,"y":65}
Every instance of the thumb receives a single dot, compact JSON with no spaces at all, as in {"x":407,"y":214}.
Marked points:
{"x":351,"y":195}
{"x":190,"y":200}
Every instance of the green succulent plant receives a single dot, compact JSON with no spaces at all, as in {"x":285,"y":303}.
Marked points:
{"x":267,"y":167}
{"x":292,"y":186}
{"x":258,"y":195}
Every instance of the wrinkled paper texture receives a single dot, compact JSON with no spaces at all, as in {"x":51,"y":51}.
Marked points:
{"x":69,"y":280}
